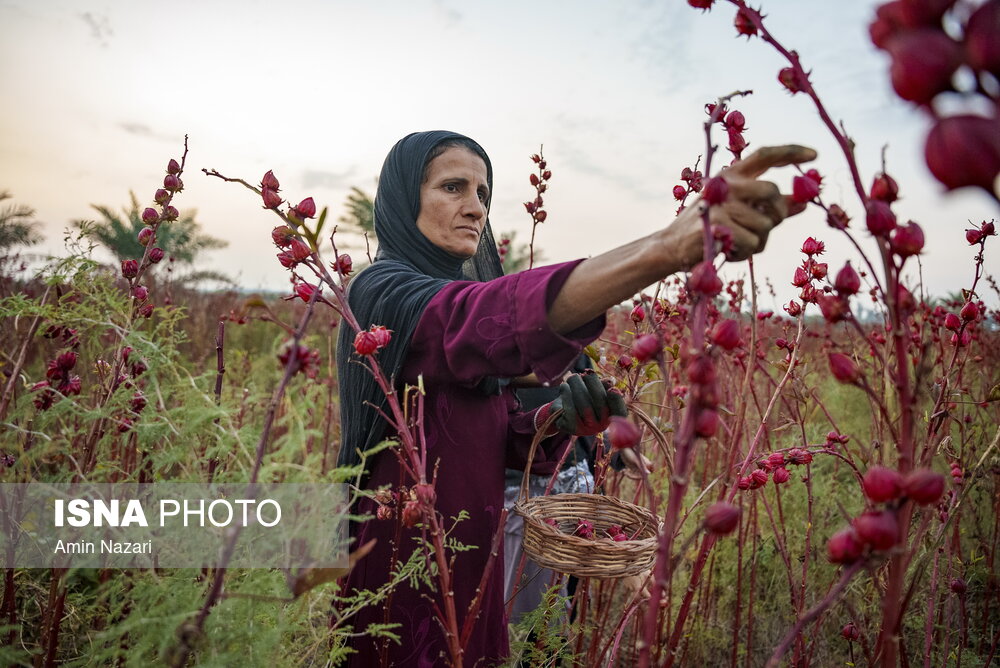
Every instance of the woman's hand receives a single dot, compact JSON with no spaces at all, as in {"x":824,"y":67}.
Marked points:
{"x":751,"y":210}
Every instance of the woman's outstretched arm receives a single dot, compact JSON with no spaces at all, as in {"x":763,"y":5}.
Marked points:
{"x":752,"y":209}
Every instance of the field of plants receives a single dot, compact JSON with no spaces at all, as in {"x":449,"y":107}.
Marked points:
{"x":826,"y":475}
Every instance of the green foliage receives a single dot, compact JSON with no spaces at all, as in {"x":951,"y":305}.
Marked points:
{"x":17,"y":225}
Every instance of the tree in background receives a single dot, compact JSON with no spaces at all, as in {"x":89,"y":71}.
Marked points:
{"x":181,"y":239}
{"x":17,"y":225}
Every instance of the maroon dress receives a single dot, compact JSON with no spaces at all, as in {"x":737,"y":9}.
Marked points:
{"x":468,"y":331}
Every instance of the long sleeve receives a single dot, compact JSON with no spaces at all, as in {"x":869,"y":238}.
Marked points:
{"x":472,"y":330}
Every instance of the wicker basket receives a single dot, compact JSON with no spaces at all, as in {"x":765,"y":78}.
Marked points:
{"x":557,"y":549}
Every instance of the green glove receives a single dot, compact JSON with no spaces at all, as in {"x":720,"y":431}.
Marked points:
{"x":585,"y":405}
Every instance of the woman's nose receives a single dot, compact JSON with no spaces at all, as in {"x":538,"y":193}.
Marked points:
{"x":473,"y":206}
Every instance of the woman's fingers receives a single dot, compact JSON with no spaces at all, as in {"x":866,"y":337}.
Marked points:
{"x":767,"y":157}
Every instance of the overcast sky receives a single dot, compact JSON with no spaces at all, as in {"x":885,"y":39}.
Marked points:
{"x":98,"y":96}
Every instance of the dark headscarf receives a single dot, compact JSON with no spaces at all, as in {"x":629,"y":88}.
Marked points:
{"x":407,"y":272}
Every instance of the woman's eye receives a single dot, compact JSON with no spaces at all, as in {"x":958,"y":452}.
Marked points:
{"x":451,"y":188}
{"x":482,"y":197}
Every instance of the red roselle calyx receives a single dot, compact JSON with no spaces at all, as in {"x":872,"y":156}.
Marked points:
{"x":130,"y":268}
{"x":880,"y":529}
{"x":923,"y":62}
{"x":813,"y":247}
{"x":645,"y":347}
{"x":722,"y":518}
{"x":706,"y":423}
{"x":304,"y":291}
{"x":924,"y":486}
{"x":701,"y":4}
{"x":622,"y":433}
{"x":365,"y":343}
{"x":952,"y":322}
{"x":140,"y":292}
{"x":344,"y":264}
{"x":880,"y":218}
{"x":804,"y":189}
{"x":170,"y":213}
{"x":834,"y":308}
{"x":850,"y":632}
{"x":161,"y":196}
{"x":744,"y":23}
{"x":150,"y":215}
{"x":425,"y":494}
{"x":173,"y":167}
{"x":145,"y":236}
{"x":792,"y":80}
{"x":306,"y":208}
{"x":412,"y":514}
{"x":272,"y":200}
{"x":958,"y":586}
{"x":382,"y":335}
{"x":679,"y":193}
{"x":884,"y":188}
{"x":735,"y":120}
{"x":269,"y":182}
{"x":882,"y":484}
{"x":982,"y":48}
{"x":638,"y":314}
{"x":843,"y":368}
{"x":716,"y":191}
{"x":847,"y":281}
{"x":155,"y":255}
{"x":705,"y":280}
{"x":780,"y":475}
{"x":172,"y":183}
{"x":726,"y":334}
{"x":701,"y":370}
{"x":837,"y":218}
{"x":970,"y":311}
{"x":907,"y":240}
{"x":282,"y":236}
{"x":964,"y":150}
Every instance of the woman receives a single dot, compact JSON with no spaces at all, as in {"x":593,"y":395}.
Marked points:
{"x":464,"y":337}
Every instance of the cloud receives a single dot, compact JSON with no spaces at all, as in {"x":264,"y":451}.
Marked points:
{"x":314,"y":178}
{"x":100,"y":27}
{"x":143,"y":130}
{"x":450,"y":15}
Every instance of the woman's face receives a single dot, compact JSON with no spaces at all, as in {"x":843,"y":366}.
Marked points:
{"x":453,"y":201}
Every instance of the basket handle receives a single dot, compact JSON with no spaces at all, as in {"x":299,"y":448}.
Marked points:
{"x":538,"y":438}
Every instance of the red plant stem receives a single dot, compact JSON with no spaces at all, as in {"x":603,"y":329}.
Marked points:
{"x":55,"y":620}
{"x":15,"y":371}
{"x":815,"y":611}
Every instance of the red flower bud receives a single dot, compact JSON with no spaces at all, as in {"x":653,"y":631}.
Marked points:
{"x":882,"y":484}
{"x":880,"y":218}
{"x":952,"y":322}
{"x":758,"y":479}
{"x":546,"y":175}
{"x":382,"y":335}
{"x":425,"y":494}
{"x":701,"y":4}
{"x":272,"y":200}
{"x":140,"y":292}
{"x":622,"y":433}
{"x":850,"y":632}
{"x":813,"y":247}
{"x":150,"y":215}
{"x":744,"y":24}
{"x":282,"y":236}
{"x":365,"y":343}
{"x":780,"y":475}
{"x":173,"y":167}
{"x":843,"y":368}
{"x":793,"y":309}
{"x":834,"y":308}
{"x":534,"y":179}
{"x":880,"y":529}
{"x":540,"y":216}
{"x":716,"y":190}
{"x":701,"y":370}
{"x":170,"y":213}
{"x":800,"y":278}
{"x":973,"y":236}
{"x":645,"y":347}
{"x":706,"y":423}
{"x":304,"y":291}
{"x":844,"y":547}
{"x":146,"y":310}
{"x":970,"y":311}
{"x":130,"y":268}
{"x":679,"y":193}
{"x":172,"y":183}
{"x":529,"y":207}
{"x":155,"y":255}
{"x":964,"y":150}
{"x":735,"y":121}
{"x":907,"y":240}
{"x":625,"y":361}
{"x":799,"y":456}
{"x":884,"y":188}
{"x":269,"y":182}
{"x":726,"y":334}
{"x":722,"y":518}
{"x":145,"y":235}
{"x":299,"y":250}
{"x":704,"y":280}
{"x":923,"y":61}
{"x":638,"y":314}
{"x":790,"y":79}
{"x":847,"y":281}
{"x":924,"y":486}
{"x":804,"y":189}
{"x":306,"y":208}
{"x":161,"y":196}
{"x":958,"y":586}
{"x":982,"y":49}
{"x":819,"y":270}
{"x":344,"y":264}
